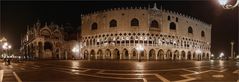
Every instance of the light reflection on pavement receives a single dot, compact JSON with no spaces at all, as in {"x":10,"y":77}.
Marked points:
{"x":127,"y":71}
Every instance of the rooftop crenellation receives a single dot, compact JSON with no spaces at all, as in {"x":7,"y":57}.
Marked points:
{"x":148,"y":8}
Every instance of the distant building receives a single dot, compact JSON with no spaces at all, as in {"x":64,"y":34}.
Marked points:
{"x":44,"y":42}
{"x":163,"y":34}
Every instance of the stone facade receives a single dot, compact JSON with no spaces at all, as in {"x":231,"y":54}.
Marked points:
{"x":164,"y":35}
{"x":43,"y":42}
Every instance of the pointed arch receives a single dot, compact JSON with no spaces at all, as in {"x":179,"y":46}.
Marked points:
{"x":94,"y":26}
{"x":125,"y":54}
{"x":190,"y":30}
{"x":172,"y":26}
{"x":134,"y":22}
{"x":113,"y":23}
{"x":161,"y":55}
{"x":152,"y":54}
{"x":154,"y":24}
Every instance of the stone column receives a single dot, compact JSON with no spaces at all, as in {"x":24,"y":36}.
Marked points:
{"x":232,"y":54}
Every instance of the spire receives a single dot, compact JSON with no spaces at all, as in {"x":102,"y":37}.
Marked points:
{"x":155,"y":7}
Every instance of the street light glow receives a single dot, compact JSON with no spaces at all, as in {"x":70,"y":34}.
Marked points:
{"x":221,"y":54}
{"x":139,"y":47}
{"x":222,"y":2}
{"x":198,"y":51}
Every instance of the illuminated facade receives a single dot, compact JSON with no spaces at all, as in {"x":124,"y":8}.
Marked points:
{"x":163,"y":34}
{"x":43,"y":42}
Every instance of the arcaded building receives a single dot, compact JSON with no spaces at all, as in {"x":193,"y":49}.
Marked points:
{"x":122,"y":33}
{"x":43,"y":41}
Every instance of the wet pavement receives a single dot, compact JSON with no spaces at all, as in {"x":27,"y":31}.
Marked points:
{"x":120,"y":71}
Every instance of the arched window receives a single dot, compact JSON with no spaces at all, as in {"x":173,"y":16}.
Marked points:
{"x":168,"y":17}
{"x":113,"y":23}
{"x":94,"y":26}
{"x":190,"y":30}
{"x":172,"y":26}
{"x":202,"y":34}
{"x":134,"y":22}
{"x":154,"y":24}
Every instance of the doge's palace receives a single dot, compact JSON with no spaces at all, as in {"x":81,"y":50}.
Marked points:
{"x":144,"y":33}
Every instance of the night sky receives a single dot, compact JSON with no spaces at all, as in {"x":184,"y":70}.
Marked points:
{"x":15,"y":16}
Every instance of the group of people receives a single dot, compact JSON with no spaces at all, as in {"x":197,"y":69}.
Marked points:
{"x":7,"y":61}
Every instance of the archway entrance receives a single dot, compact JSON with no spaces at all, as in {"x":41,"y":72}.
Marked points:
{"x":183,"y":55}
{"x":99,"y":54}
{"x":116,"y":54}
{"x":176,"y":55}
{"x":169,"y":55}
{"x":86,"y":54}
{"x":125,"y":54}
{"x":107,"y":54}
{"x":152,"y":55}
{"x":189,"y":55}
{"x":134,"y":54}
{"x":92,"y":54}
{"x":48,"y":47}
{"x":161,"y":55}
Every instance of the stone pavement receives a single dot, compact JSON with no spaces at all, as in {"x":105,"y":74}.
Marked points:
{"x":7,"y":74}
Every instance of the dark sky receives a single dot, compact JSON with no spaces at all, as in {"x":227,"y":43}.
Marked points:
{"x":15,"y":16}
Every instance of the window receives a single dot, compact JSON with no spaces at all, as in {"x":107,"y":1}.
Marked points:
{"x":94,"y":26}
{"x":154,"y":24}
{"x":202,"y":34}
{"x":113,"y":23}
{"x":168,"y":17}
{"x":176,"y":19}
{"x":172,"y":26}
{"x":190,"y":30}
{"x":134,"y":22}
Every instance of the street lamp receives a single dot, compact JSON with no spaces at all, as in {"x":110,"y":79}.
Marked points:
{"x":76,"y":50}
{"x":6,"y":47}
{"x":198,"y":52}
{"x":221,"y":55}
{"x":139,"y":48}
{"x":225,"y":5}
{"x":212,"y":56}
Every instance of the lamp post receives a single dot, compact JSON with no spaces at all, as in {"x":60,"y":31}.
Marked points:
{"x":225,"y":5}
{"x":76,"y":50}
{"x":139,"y":48}
{"x":212,"y":56}
{"x":221,"y":55}
{"x":198,"y":52}
{"x":232,"y":55}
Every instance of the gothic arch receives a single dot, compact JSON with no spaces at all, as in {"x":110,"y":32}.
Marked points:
{"x":108,"y":54}
{"x":113,"y":23}
{"x":189,"y":55}
{"x":154,"y":24}
{"x":161,"y":54}
{"x":134,"y":22}
{"x":176,"y":55}
{"x":94,"y":26}
{"x":169,"y":54}
{"x":92,"y":54}
{"x":190,"y":30}
{"x":172,"y":26}
{"x":100,"y":54}
{"x":152,"y":54}
{"x":116,"y":54}
{"x":86,"y":54}
{"x":183,"y":55}
{"x":126,"y":54}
